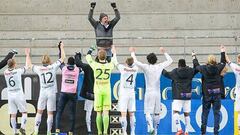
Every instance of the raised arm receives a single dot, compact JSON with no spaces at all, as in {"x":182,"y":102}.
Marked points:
{"x":223,"y":57}
{"x":78,"y":61}
{"x":117,"y":15}
{"x":196,"y":64}
{"x":63,"y":55}
{"x":28,"y":58}
{"x":114,"y":58}
{"x":90,"y":15}
{"x":10,"y":55}
{"x":169,"y":59}
{"x":139,"y":64}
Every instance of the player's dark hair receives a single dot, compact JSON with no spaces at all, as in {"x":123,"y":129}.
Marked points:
{"x":152,"y":58}
{"x":11,"y":63}
{"x":129,"y":61}
{"x":181,"y":63}
{"x":71,"y":61}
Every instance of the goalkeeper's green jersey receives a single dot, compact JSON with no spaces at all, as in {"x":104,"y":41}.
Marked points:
{"x":102,"y":74}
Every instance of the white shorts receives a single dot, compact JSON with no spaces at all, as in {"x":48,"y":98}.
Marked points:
{"x":127,"y":102}
{"x":178,"y":105}
{"x":47,"y":99}
{"x":237,"y":103}
{"x":152,"y":103}
{"x":88,"y":105}
{"x":17,"y":102}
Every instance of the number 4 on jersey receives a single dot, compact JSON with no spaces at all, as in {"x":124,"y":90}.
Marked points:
{"x":130,"y":79}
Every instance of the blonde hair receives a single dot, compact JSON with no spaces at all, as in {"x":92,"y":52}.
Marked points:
{"x":11,"y":63}
{"x":102,"y":54}
{"x":211,"y":60}
{"x":46,"y":59}
{"x":129,"y":61}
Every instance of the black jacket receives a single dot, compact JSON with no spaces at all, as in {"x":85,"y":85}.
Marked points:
{"x":88,"y":81}
{"x":101,"y":31}
{"x":181,"y":82}
{"x":211,"y":77}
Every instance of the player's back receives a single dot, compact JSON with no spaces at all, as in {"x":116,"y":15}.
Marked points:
{"x":13,"y":79}
{"x":128,"y":77}
{"x":47,"y":76}
{"x":69,"y":79}
{"x":152,"y":75}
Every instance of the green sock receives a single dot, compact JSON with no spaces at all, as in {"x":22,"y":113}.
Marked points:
{"x":105,"y":123}
{"x":99,"y":123}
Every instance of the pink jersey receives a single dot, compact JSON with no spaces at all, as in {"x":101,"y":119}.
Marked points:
{"x":69,"y":80}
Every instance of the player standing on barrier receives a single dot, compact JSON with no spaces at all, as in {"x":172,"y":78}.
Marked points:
{"x":236,"y":70}
{"x":102,"y":88}
{"x":87,"y":89}
{"x":48,"y":89}
{"x":126,"y":102}
{"x":152,"y":99}
{"x":68,"y":93}
{"x":16,"y":97}
{"x":211,"y":88}
{"x":181,"y":93}
{"x":104,"y":29}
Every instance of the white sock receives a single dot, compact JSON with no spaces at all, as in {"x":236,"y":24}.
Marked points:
{"x":14,"y":125}
{"x":177,"y":121}
{"x":123,"y":121}
{"x":23,"y":120}
{"x":149,"y":121}
{"x":132,"y":124}
{"x":88,"y":120}
{"x":49,"y":123}
{"x":38,"y":119}
{"x":156,"y":123}
{"x":187,"y":123}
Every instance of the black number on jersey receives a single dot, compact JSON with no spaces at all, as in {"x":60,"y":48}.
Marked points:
{"x":11,"y":82}
{"x":130,"y":79}
{"x":47,"y":77}
{"x":106,"y":72}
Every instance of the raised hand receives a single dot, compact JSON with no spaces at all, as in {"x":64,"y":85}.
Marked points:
{"x":132,"y":49}
{"x":113,"y":5}
{"x":93,"y":4}
{"x":27,"y":51}
{"x":162,"y":50}
{"x":222,"y":48}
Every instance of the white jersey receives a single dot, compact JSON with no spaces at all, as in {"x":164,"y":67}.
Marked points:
{"x":236,"y":70}
{"x":14,"y":80}
{"x":153,"y":73}
{"x":47,"y":76}
{"x":128,"y":78}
